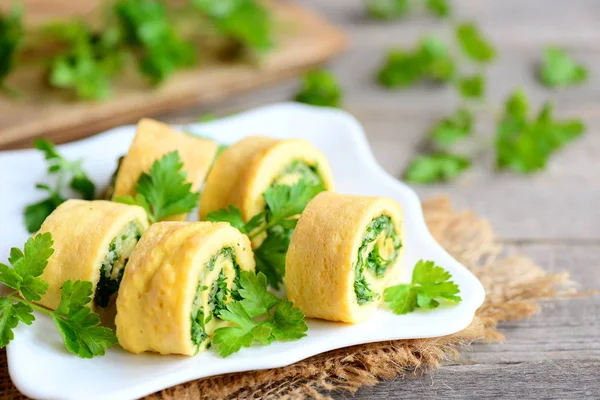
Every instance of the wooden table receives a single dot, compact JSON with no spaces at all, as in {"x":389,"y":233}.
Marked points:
{"x":553,"y":216}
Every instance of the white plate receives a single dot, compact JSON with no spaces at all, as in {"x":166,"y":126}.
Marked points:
{"x":40,"y":366}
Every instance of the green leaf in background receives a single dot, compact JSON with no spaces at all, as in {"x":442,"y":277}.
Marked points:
{"x":65,"y":171}
{"x":436,"y":167}
{"x":559,"y":69}
{"x":319,"y":88}
{"x":440,"y":8}
{"x":87,"y":63}
{"x":159,"y":49}
{"x":473,"y":44}
{"x":472,"y":86}
{"x":247,"y":21}
{"x":453,"y":128}
{"x":430,"y":60}
{"x":525,"y":145}
{"x":11,"y":34}
{"x":387,"y":9}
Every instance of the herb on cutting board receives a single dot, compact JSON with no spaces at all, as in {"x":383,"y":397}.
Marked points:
{"x":67,"y":172}
{"x":319,"y":88}
{"x":162,"y":37}
{"x":78,"y":325}
{"x":11,"y":34}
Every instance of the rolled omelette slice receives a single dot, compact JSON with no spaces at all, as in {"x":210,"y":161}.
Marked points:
{"x":92,"y":242}
{"x":345,"y":250}
{"x":177,"y":280}
{"x":245,"y":170}
{"x":153,"y":140}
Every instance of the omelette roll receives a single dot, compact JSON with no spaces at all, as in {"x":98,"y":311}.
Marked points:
{"x":344,"y":252}
{"x":152,"y":141}
{"x":92,"y":242}
{"x":245,"y":170}
{"x":180,"y":276}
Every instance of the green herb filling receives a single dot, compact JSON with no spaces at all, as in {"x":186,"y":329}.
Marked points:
{"x":113,"y":265}
{"x":373,"y":260}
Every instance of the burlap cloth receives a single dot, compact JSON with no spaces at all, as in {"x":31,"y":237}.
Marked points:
{"x":515,"y":285}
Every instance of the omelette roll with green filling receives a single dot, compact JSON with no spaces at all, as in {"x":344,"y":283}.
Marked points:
{"x":180,"y":276}
{"x":152,"y":141}
{"x":245,"y":170}
{"x":344,"y":252}
{"x":92,"y":242}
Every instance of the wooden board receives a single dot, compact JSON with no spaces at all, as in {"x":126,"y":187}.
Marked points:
{"x":304,"y":40}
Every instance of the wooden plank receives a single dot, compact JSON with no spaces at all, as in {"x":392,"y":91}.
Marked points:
{"x":564,"y":379}
{"x":307,"y":40}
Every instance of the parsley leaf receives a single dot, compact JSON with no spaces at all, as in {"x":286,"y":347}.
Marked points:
{"x":163,"y":191}
{"x":27,"y":266}
{"x":525,"y":145}
{"x":440,"y":8}
{"x":71,"y":171}
{"x":436,"y":167}
{"x":319,"y":88}
{"x":246,"y":21}
{"x":387,"y":9}
{"x":473,"y":44}
{"x":559,"y":69}
{"x":430,"y":283}
{"x":87,"y":63}
{"x":259,"y":316}
{"x":284,"y":204}
{"x":12,"y":314}
{"x":77,"y":324}
{"x":231,"y":214}
{"x":145,"y":26}
{"x":431,"y":60}
{"x":472,"y":86}
{"x":453,"y":128}
{"x":11,"y":34}
{"x":270,"y":255}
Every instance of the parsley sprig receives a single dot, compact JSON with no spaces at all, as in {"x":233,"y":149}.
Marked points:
{"x":147,"y":30}
{"x":11,"y":35}
{"x":429,"y":285}
{"x":284,"y":204}
{"x":77,"y":324}
{"x":67,"y":172}
{"x":258,"y":317}
{"x":87,"y":62}
{"x":319,"y":88}
{"x":245,"y":21}
{"x":393,"y":9}
{"x":163,"y":191}
{"x":559,"y":69}
{"x":525,"y":145}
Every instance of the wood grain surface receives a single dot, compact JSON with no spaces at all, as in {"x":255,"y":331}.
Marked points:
{"x":304,"y":40}
{"x":552,"y":216}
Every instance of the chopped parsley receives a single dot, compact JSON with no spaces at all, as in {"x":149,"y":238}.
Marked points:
{"x":113,"y":265}
{"x":370,"y":258}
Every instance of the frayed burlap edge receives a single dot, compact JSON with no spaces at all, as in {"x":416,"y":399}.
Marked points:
{"x":515,"y":285}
